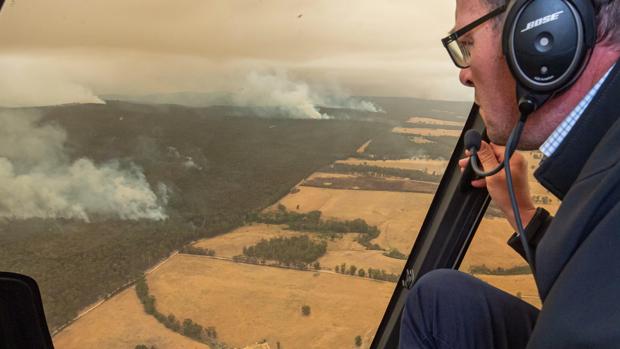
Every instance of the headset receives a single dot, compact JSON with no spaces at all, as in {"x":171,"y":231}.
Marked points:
{"x":547,"y":45}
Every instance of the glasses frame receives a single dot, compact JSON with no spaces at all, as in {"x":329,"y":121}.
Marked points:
{"x":457,"y":34}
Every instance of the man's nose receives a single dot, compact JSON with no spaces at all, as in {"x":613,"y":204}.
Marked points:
{"x":465,"y":77}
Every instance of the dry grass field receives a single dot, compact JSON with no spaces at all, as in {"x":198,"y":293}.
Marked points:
{"x":362,"y":149}
{"x":437,"y":166}
{"x":489,"y":246}
{"x":121,"y":323}
{"x":398,"y":215}
{"x":231,"y":244}
{"x":343,"y":250}
{"x":431,"y":121}
{"x":329,"y":175}
{"x":248,"y":303}
{"x":427,"y":131}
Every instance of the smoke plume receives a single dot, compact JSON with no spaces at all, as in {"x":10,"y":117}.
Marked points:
{"x":274,"y":92}
{"x":27,"y":82}
{"x":38,"y":180}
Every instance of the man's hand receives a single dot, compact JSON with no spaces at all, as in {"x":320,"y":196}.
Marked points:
{"x":490,"y":156}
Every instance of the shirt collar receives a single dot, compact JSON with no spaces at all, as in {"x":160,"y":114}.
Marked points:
{"x":559,"y":134}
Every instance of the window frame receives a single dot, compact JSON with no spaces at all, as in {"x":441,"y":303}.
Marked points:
{"x":448,"y":229}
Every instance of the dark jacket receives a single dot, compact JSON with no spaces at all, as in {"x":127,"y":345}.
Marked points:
{"x":577,"y":253}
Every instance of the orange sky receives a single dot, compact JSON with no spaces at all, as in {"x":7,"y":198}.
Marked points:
{"x":367,"y":47}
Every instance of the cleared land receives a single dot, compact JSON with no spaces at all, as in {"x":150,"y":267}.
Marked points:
{"x":431,"y":121}
{"x":231,"y":244}
{"x":430,"y":166}
{"x":363,"y":147}
{"x":427,"y":131}
{"x":343,"y":250}
{"x":398,"y":215}
{"x":373,"y":183}
{"x":248,"y":303}
{"x":328,"y":175}
{"x":489,"y":246}
{"x":121,"y":323}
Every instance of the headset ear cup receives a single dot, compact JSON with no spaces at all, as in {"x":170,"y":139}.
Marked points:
{"x":547,"y":43}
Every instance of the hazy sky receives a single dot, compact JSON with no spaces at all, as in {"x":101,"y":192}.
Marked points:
{"x":367,"y":47}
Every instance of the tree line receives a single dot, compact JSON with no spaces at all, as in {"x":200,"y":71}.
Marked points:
{"x":377,"y":274}
{"x":311,"y":222}
{"x":378,"y":171}
{"x":188,"y":328}
{"x":190,"y":249}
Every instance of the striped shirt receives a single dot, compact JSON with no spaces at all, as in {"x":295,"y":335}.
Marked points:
{"x":559,"y":134}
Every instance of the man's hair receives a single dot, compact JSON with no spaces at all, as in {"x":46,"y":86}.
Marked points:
{"x":607,"y":16}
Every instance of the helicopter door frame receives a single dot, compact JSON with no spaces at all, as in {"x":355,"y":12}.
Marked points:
{"x":444,"y":237}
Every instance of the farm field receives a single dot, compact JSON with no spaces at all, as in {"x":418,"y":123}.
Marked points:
{"x":339,"y":250}
{"x":398,"y":215}
{"x":121,"y":323}
{"x":235,"y":298}
{"x":427,"y":131}
{"x":437,"y":166}
{"x":432,"y":121}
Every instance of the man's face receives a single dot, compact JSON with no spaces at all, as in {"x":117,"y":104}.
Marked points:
{"x":488,"y":73}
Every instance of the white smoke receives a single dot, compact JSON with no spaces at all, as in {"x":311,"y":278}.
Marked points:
{"x":274,"y":91}
{"x":28,"y":82}
{"x":37,"y":179}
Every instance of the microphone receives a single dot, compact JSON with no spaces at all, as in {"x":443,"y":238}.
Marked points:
{"x":472,"y":141}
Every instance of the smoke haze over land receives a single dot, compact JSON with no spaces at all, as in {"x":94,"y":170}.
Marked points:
{"x":38,"y":180}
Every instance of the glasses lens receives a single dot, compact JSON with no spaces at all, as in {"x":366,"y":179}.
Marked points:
{"x":459,"y":54}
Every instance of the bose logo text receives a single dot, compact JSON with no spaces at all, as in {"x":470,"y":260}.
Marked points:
{"x":549,"y":18}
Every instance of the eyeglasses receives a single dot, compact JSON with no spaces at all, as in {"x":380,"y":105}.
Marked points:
{"x":458,"y":51}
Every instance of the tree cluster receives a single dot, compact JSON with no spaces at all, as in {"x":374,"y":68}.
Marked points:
{"x":358,"y":341}
{"x":190,"y":249}
{"x":287,"y":250}
{"x":311,"y":222}
{"x":394,"y":253}
{"x":380,"y":274}
{"x":305,"y":310}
